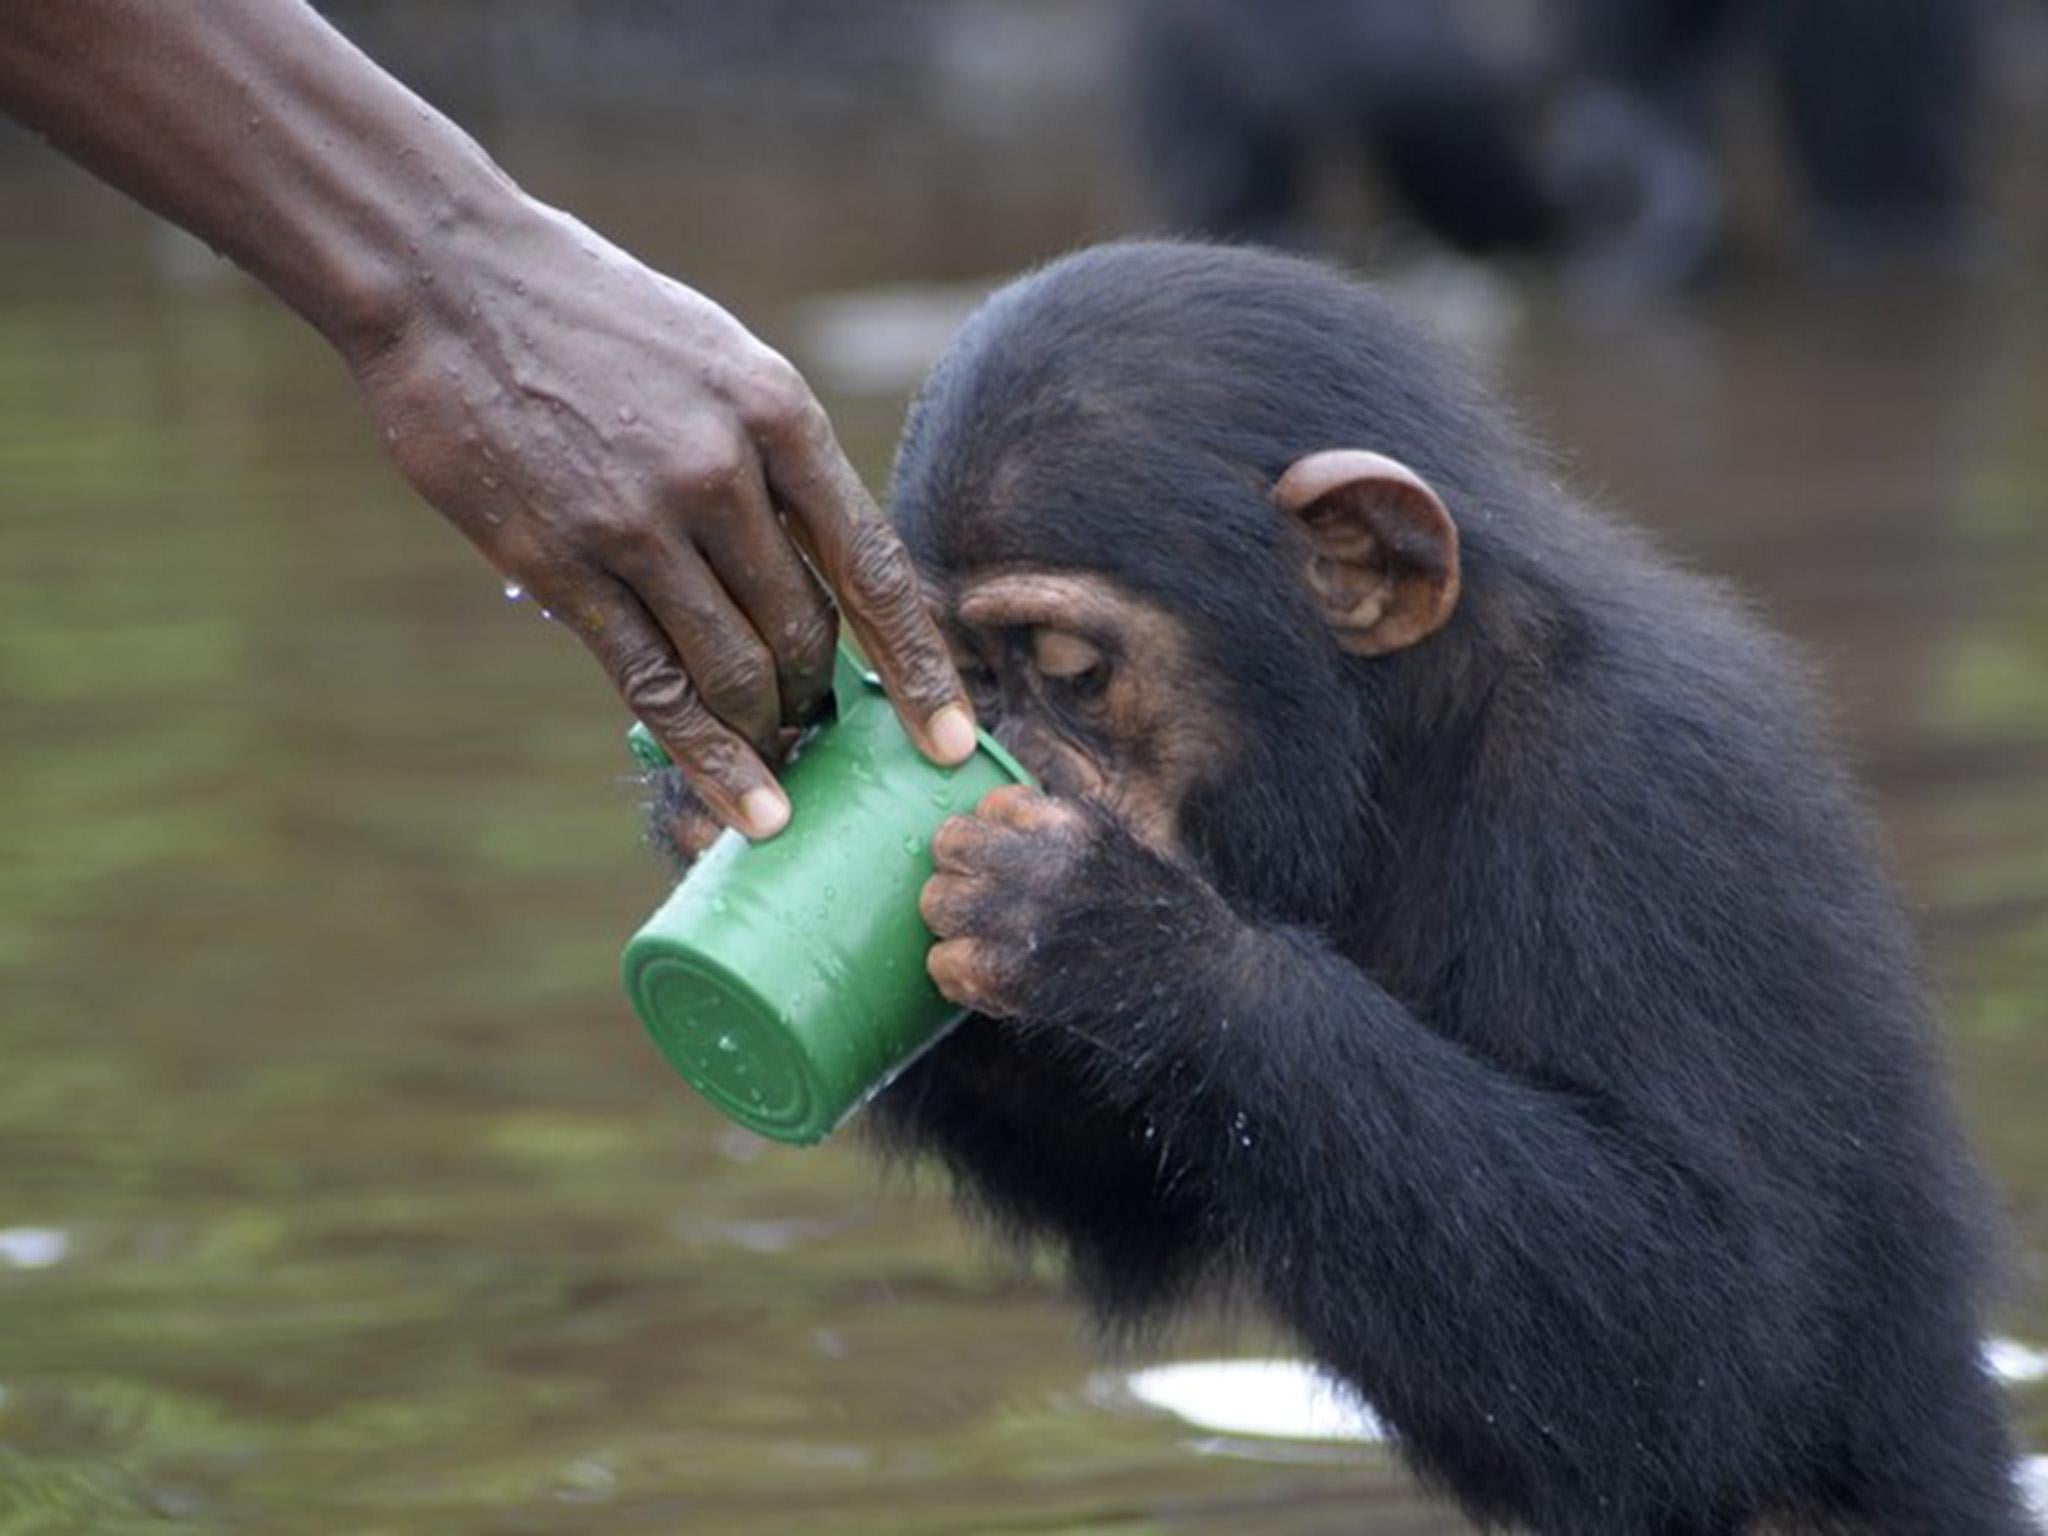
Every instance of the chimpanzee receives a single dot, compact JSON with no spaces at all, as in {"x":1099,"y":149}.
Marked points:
{"x":1597,"y":141}
{"x":1441,"y":924}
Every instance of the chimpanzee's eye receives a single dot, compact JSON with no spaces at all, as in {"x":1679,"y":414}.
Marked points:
{"x":1084,"y":687}
{"x":1074,"y":668}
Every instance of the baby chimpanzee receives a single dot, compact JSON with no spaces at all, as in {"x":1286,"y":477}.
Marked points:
{"x":1442,"y":924}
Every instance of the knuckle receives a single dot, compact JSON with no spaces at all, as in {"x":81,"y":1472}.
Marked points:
{"x":773,"y":399}
{"x":935,"y":905}
{"x":884,"y":593}
{"x":742,"y":672}
{"x":1005,"y":802}
{"x":879,"y":567}
{"x":638,"y":540}
{"x":955,"y":839}
{"x":656,"y":690}
{"x":654,"y":686}
{"x":711,"y":470}
{"x":740,"y":688}
{"x":808,"y":637}
{"x":955,"y":966}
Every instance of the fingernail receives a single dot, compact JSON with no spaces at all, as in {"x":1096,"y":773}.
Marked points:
{"x":765,"y":811}
{"x":952,"y":734}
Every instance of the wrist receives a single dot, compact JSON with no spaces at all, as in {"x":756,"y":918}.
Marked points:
{"x":420,"y":254}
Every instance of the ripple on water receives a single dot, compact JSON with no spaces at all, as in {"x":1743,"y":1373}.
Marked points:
{"x":1271,"y":1399}
{"x":33,"y":1247}
{"x":2014,"y":1363}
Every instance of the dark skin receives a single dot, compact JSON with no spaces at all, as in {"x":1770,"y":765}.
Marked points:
{"x":612,"y":441}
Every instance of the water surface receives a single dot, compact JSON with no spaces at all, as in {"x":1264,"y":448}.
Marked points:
{"x":338,"y":1189}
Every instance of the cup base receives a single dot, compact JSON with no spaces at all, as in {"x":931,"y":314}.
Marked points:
{"x":715,"y":1033}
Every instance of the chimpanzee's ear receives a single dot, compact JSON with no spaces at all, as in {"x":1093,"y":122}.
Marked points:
{"x":1382,"y":551}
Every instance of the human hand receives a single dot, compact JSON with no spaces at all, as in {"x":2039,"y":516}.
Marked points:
{"x":623,"y":450}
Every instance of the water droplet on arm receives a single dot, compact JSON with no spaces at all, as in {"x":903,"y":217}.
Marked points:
{"x":514,"y":591}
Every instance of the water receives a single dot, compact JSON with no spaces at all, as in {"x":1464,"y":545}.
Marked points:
{"x":339,"y":1189}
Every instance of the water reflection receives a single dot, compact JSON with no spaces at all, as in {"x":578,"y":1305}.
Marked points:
{"x":1272,"y":1399}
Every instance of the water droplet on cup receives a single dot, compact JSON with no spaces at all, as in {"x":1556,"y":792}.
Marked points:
{"x":727,"y":1044}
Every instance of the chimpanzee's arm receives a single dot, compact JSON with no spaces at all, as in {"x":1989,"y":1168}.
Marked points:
{"x":1469,"y":1247}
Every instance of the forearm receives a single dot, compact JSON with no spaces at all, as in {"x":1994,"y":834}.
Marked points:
{"x":1286,"y":1057}
{"x":259,"y":128}
{"x":1402,"y":1201}
{"x":1358,"y":1154}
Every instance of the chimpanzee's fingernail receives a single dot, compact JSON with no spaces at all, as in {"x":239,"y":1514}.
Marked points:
{"x":765,"y":811}
{"x":952,"y":734}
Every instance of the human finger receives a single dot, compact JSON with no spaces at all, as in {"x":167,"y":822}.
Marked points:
{"x":751,"y":553}
{"x":718,"y":763}
{"x":864,"y":563}
{"x":729,"y":665}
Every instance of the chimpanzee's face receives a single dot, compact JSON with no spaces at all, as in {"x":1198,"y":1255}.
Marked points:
{"x":1092,"y":688}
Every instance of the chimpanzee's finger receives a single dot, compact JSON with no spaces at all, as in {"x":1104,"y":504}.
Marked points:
{"x":730,"y":667}
{"x":964,"y":972}
{"x":948,"y":904}
{"x":693,"y":829}
{"x":960,"y":844}
{"x":832,"y":516}
{"x":721,"y":768}
{"x":1022,"y":807}
{"x":760,"y":568}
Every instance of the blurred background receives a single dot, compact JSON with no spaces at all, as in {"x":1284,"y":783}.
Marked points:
{"x":339,"y":1189}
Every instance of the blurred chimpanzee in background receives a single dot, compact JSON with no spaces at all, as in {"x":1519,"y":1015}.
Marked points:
{"x":1597,"y":141}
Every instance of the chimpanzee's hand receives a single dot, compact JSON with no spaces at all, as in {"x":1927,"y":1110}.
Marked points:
{"x":1039,"y":905}
{"x":680,"y":826}
{"x":1001,"y":879}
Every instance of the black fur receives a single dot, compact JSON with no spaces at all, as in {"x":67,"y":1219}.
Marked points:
{"x":1555,"y":1062}
{"x":1234,"y":101}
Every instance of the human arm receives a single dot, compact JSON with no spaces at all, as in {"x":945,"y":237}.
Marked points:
{"x":612,"y":441}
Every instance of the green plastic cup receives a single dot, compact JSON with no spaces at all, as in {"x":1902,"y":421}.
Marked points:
{"x":785,"y":980}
